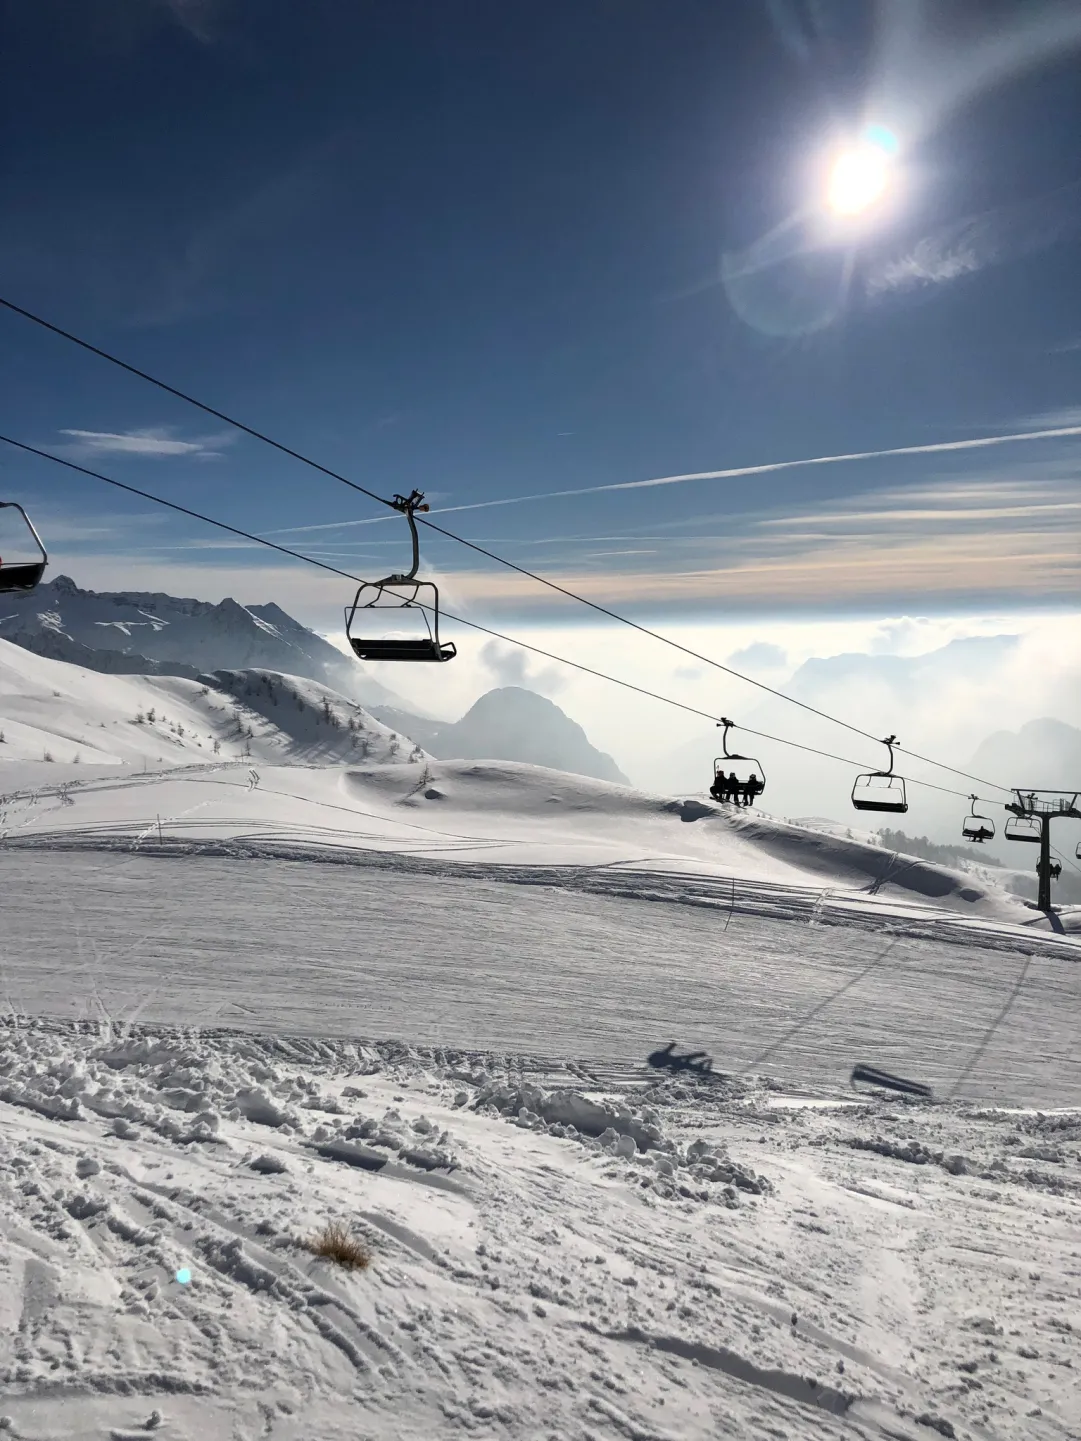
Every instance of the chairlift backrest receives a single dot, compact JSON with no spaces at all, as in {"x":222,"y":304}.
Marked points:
{"x":879,"y":791}
{"x":22,"y":575}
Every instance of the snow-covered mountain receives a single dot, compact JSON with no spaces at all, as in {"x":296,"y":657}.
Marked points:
{"x":147,"y":633}
{"x":509,"y":724}
{"x":60,"y":713}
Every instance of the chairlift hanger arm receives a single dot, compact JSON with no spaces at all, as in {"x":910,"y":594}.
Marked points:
{"x":14,"y":505}
{"x":407,"y":504}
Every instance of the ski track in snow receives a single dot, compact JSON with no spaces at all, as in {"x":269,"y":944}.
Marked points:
{"x":762,"y":1268}
{"x":356,"y":951}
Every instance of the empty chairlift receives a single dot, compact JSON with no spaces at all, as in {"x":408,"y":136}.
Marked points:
{"x":399,"y":614}
{"x":21,"y":575}
{"x":881,"y":790}
{"x":977,"y":828}
{"x":1024,"y":828}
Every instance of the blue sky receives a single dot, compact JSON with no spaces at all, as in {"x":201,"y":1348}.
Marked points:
{"x":496,"y":250}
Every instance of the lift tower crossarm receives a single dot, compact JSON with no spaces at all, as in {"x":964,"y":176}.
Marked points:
{"x":1045,"y":806}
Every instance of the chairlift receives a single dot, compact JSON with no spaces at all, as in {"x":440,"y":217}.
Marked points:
{"x":743,"y":774}
{"x":977,"y":828}
{"x":1024,"y":828}
{"x":22,"y":575}
{"x":1056,"y":870}
{"x":1077,"y":853}
{"x":380,"y":604}
{"x":881,"y":790}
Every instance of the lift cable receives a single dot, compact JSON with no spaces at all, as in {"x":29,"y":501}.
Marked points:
{"x":461,"y":540}
{"x":460,"y":620}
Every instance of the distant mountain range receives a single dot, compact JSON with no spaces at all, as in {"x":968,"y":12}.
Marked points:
{"x":1042,"y":753}
{"x":145,"y":633}
{"x":508,"y":724}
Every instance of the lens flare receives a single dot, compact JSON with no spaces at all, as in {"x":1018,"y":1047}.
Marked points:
{"x":860,"y":175}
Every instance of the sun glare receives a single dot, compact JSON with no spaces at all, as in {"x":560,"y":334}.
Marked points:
{"x":860,"y":175}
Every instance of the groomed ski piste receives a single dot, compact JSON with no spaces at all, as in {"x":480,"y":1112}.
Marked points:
{"x":265,"y":967}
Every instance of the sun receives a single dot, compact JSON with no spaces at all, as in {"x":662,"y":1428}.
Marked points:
{"x":860,"y":175}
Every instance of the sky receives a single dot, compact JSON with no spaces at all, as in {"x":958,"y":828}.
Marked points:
{"x":527,"y":258}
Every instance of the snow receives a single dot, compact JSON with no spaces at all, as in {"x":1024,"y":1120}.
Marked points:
{"x":756,"y":1271}
{"x":200,"y":967}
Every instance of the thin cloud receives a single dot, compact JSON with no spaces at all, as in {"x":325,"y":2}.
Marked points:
{"x":1071,"y":429}
{"x":941,"y":447}
{"x":154,"y":444}
{"x":978,"y":241}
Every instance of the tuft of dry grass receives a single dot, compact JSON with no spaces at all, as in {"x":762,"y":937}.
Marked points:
{"x":336,"y":1243}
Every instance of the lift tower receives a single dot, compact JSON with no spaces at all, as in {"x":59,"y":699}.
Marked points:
{"x":1034,"y":811}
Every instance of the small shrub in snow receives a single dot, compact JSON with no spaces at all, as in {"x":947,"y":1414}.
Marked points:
{"x":217,"y":747}
{"x":336,"y":1243}
{"x":151,"y":715}
{"x":47,"y":756}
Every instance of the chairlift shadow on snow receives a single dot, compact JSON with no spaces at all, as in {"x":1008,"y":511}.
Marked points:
{"x":695,"y":1063}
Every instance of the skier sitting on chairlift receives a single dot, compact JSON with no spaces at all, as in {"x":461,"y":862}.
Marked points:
{"x":719,"y":789}
{"x":751,"y":787}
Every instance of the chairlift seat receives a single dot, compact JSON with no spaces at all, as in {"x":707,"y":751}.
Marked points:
{"x":21,"y":575}
{"x":398,"y":649}
{"x":976,"y":828}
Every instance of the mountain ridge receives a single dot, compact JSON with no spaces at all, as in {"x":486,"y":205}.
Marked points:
{"x":509,"y":723}
{"x":153,"y":633}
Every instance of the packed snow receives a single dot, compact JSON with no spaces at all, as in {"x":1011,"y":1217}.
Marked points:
{"x":206,"y":950}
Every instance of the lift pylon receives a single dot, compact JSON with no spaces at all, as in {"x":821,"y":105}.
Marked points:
{"x":1039,"y":808}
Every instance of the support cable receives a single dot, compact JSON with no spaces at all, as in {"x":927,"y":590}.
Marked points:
{"x":461,"y":540}
{"x":460,"y":620}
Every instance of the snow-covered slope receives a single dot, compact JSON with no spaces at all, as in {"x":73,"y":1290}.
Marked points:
{"x":564,"y":1242}
{"x":63,"y":715}
{"x":509,"y":724}
{"x":144,"y":631}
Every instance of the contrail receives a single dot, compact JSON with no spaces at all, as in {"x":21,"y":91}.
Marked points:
{"x":938,"y":448}
{"x":941,"y":447}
